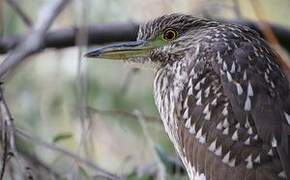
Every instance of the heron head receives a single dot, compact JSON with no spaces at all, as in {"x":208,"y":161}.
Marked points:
{"x":160,"y":41}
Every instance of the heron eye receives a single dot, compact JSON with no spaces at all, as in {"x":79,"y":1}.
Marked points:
{"x":169,"y":34}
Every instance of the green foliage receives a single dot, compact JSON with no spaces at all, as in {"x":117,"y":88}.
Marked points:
{"x":134,"y":176}
{"x":62,"y":137}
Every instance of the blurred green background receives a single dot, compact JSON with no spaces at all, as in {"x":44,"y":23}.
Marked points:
{"x":48,"y":94}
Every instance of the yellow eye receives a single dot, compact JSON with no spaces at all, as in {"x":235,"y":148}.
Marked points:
{"x":169,"y":34}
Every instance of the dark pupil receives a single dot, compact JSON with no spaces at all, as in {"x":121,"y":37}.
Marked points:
{"x":169,"y":35}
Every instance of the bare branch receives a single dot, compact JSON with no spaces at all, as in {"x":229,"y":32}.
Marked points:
{"x":128,"y":80}
{"x":160,"y":167}
{"x":14,"y":5}
{"x":34,"y":41}
{"x":237,"y":9}
{"x":67,"y":37}
{"x":22,"y":134}
{"x":107,"y":33}
{"x":8,"y":135}
{"x":122,"y":114}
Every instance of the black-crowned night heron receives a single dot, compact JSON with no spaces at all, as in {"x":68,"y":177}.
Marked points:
{"x":221,"y":93}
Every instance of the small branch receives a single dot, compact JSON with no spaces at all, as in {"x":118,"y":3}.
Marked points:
{"x":22,"y":134}
{"x":1,"y":19}
{"x":4,"y":156}
{"x":142,"y":121}
{"x":128,"y":80}
{"x":34,"y":41}
{"x":123,"y":114}
{"x":37,"y":163}
{"x":236,"y":8}
{"x":14,"y":5}
{"x":8,"y":136}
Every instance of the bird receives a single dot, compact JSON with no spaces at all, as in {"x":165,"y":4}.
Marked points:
{"x":222,"y":94}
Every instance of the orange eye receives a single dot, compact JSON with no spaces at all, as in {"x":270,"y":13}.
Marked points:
{"x":169,"y":34}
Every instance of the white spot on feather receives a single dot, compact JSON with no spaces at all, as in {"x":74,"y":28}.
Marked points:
{"x":245,"y":76}
{"x":212,"y":146}
{"x":274,"y":142}
{"x":250,"y":91}
{"x":250,"y":130}
{"x":229,"y":76}
{"x":188,"y":123}
{"x":233,"y":68}
{"x":235,"y":136}
{"x":218,"y":151}
{"x":248,"y":141}
{"x":249,"y":162}
{"x":226,"y":123}
{"x":287,"y":116}
{"x":282,"y":174}
{"x":247,"y":106}
{"x":190,"y":91}
{"x":185,"y":114}
{"x":185,"y":104}
{"x":270,"y":152}
{"x":226,"y":131}
{"x":198,"y":95}
{"x":206,"y":92}
{"x":214,"y":102}
{"x":206,"y":109}
{"x":202,"y":139}
{"x":226,"y":158}
{"x":198,"y":102}
{"x":225,"y":111}
{"x":219,"y":126}
{"x":239,"y":88}
{"x":225,"y":67}
{"x":192,"y":129}
{"x":197,"y":86}
{"x":257,"y":159}
{"x":199,"y":133}
{"x":219,"y":57}
{"x":207,"y":116}
{"x":232,"y":163}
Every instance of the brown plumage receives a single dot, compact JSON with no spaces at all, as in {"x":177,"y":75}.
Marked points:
{"x":222,"y":96}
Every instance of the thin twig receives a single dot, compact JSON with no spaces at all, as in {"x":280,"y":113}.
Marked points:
{"x":128,"y":80}
{"x":237,"y":9}
{"x":142,"y":120}
{"x":36,"y":162}
{"x":34,"y":41}
{"x":14,"y":5}
{"x":7,"y":131}
{"x":1,"y":19}
{"x":5,"y":156}
{"x":81,"y":40}
{"x":22,"y":134}
{"x":122,"y":114}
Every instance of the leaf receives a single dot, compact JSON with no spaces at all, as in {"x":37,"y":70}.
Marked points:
{"x":62,"y":136}
{"x":83,"y":173}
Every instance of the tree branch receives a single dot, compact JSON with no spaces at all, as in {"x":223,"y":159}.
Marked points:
{"x":14,"y":5}
{"x":62,"y":38}
{"x":124,"y":114}
{"x":34,"y":41}
{"x":23,"y":135}
{"x":107,"y":33}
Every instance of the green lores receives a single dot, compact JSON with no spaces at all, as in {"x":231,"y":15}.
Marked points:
{"x":126,"y":50}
